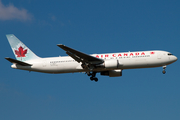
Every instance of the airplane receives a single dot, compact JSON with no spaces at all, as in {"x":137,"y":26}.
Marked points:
{"x":107,"y":64}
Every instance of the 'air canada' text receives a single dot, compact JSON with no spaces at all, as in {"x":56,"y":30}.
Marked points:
{"x":121,"y":54}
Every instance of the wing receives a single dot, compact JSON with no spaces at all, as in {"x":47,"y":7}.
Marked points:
{"x":81,"y":57}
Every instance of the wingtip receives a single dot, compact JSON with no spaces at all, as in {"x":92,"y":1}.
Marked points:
{"x":60,"y":45}
{"x":7,"y":58}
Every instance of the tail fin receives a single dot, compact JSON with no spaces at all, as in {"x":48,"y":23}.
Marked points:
{"x":21,"y":51}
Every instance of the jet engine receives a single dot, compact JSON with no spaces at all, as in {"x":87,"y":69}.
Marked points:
{"x":112,"y":73}
{"x":112,"y":63}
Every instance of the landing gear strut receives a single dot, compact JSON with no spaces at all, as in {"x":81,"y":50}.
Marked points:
{"x":164,"y":68}
{"x":93,"y":74}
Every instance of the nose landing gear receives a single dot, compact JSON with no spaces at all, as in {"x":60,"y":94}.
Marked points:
{"x":164,"y":68}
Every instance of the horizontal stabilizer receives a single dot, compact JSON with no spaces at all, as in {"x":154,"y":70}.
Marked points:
{"x":18,"y":62}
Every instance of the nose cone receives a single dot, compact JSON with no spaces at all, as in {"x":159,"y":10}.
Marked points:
{"x":175,"y":58}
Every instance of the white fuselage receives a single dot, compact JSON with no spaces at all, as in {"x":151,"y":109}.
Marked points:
{"x":127,"y":60}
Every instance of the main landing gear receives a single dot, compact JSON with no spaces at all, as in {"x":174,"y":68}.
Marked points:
{"x":92,"y":74}
{"x":164,"y":68}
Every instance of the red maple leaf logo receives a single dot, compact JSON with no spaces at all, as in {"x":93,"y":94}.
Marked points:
{"x":20,"y":52}
{"x":152,"y":52}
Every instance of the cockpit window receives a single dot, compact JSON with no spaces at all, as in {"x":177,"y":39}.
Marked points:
{"x":170,"y":54}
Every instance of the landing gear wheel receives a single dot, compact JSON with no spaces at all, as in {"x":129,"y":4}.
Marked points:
{"x":92,"y":74}
{"x":163,"y":71}
{"x":95,"y":79}
{"x":91,"y":78}
{"x":164,"y":68}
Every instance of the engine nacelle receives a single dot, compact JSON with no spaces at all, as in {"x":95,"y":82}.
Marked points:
{"x":112,"y":63}
{"x":112,"y":73}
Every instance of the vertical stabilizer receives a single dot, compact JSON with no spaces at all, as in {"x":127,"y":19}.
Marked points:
{"x":20,"y":50}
